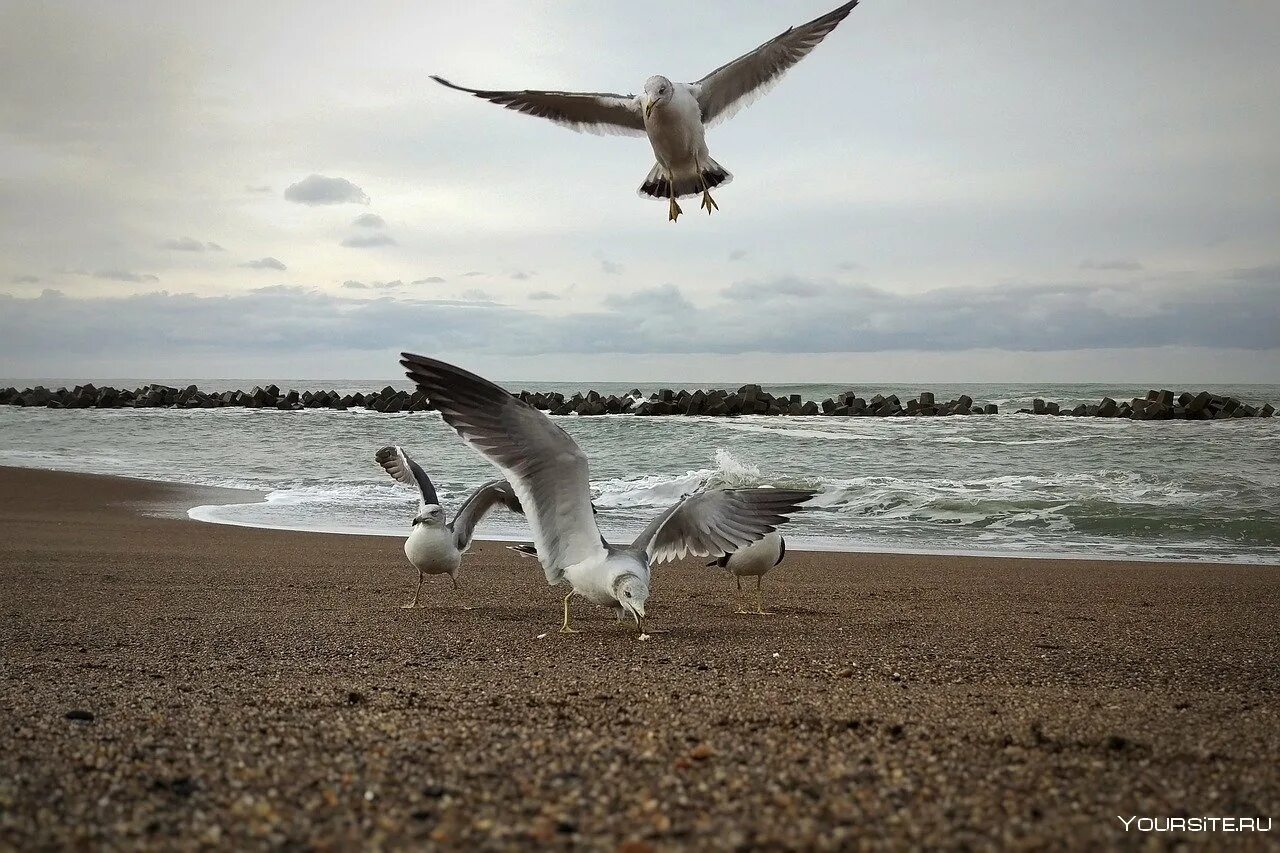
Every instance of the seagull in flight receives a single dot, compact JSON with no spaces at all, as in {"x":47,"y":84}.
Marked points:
{"x":436,"y":546}
{"x":548,"y":473}
{"x":755,"y":559}
{"x":675,"y":115}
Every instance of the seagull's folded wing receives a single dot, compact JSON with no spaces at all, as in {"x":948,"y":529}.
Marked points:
{"x":545,"y":468}
{"x":398,"y":464}
{"x":594,"y":112}
{"x":482,"y":500}
{"x":711,"y":524}
{"x":730,"y":87}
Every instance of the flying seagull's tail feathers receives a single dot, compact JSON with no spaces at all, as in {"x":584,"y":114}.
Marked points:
{"x":656,"y":185}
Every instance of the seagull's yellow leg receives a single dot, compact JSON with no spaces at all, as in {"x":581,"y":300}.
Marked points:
{"x":673,"y":211}
{"x":416,"y":592}
{"x":737,"y":597}
{"x":760,"y":598}
{"x":707,"y":201}
{"x":565,"y":629}
{"x":462,"y":602}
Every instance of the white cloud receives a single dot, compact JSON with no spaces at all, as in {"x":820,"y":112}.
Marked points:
{"x":190,"y":244}
{"x":264,"y":264}
{"x":368,"y":241}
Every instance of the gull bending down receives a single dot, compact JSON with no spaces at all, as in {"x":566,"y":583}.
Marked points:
{"x":436,"y":546}
{"x":548,"y":472}
{"x":675,"y":115}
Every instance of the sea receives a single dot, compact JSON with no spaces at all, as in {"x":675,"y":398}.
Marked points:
{"x":1008,"y":484}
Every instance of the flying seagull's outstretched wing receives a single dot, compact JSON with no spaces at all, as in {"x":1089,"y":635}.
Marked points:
{"x":482,"y":500}
{"x":545,"y":468}
{"x":731,"y":87}
{"x":710,"y":524}
{"x":594,"y":112}
{"x":398,"y":464}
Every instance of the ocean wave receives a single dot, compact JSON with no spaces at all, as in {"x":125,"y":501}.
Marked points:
{"x":658,"y":490}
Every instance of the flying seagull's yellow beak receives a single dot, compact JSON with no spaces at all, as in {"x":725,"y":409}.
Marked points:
{"x":648,"y":107}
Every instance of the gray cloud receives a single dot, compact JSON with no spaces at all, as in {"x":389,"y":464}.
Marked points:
{"x":431,"y":279}
{"x":318,"y":189}
{"x":521,"y":275}
{"x":264,"y":264}
{"x":473,"y":274}
{"x":737,"y":254}
{"x":258,"y":189}
{"x":25,"y":279}
{"x":125,"y":275}
{"x":1229,"y":310}
{"x":1115,"y":264}
{"x":610,"y":268}
{"x":190,"y":244}
{"x":373,"y":285}
{"x":369,"y":220}
{"x":543,"y":295}
{"x":766,"y":290}
{"x":368,"y":241}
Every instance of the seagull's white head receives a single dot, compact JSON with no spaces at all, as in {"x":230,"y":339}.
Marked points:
{"x":431,"y":515}
{"x":632,"y":593}
{"x":656,"y":91}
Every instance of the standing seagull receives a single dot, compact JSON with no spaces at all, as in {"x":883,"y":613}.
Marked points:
{"x":435,"y":547}
{"x":675,"y":115}
{"x":548,"y":472}
{"x":755,"y":559}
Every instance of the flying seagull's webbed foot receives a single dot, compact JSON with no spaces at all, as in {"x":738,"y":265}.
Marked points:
{"x":673,"y":210}
{"x":760,"y":611}
{"x":416,"y":593}
{"x":737,"y":597}
{"x":462,"y":602}
{"x":708,"y":203}
{"x":564,"y":628}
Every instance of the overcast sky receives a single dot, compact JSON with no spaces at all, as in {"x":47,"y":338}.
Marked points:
{"x":941,"y":191}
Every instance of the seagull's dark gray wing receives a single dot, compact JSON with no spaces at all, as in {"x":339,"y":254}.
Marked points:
{"x":731,"y":87}
{"x":594,"y":112}
{"x":398,"y":464}
{"x":545,"y":468}
{"x":711,"y":524}
{"x":482,"y":500}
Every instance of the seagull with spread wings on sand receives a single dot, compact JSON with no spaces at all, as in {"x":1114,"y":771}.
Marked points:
{"x":548,"y":473}
{"x":435,"y":546}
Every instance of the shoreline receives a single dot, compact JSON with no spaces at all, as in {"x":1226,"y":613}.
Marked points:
{"x":174,"y":684}
{"x":218,"y":497}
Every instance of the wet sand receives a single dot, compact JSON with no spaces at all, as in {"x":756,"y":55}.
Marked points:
{"x":259,"y":688}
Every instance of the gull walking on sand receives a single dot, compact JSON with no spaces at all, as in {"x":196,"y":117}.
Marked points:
{"x":435,"y":546}
{"x":675,"y":115}
{"x":548,"y":472}
{"x":755,"y":559}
